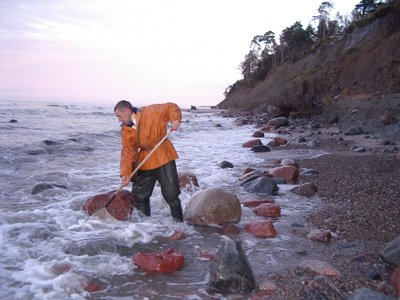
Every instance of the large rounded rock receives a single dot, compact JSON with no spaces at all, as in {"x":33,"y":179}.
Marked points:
{"x":307,"y":189}
{"x":278,"y":122}
{"x":213,"y":206}
{"x":289,"y":173}
{"x":121,"y":206}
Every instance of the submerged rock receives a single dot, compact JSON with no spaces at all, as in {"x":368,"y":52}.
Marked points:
{"x":225,"y":164}
{"x":322,"y":288}
{"x":120,"y":207}
{"x":261,"y":228}
{"x":268,"y":210}
{"x":45,"y":186}
{"x":91,"y":247}
{"x":253,"y":203}
{"x":164,"y":262}
{"x":320,"y":267}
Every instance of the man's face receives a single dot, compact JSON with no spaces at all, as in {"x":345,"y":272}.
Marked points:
{"x":123,"y":115}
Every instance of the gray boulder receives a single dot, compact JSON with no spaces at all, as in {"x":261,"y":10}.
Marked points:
{"x":263,"y":185}
{"x":231,"y":271}
{"x":391,"y":253}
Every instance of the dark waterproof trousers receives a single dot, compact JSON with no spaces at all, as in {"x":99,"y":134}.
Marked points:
{"x":143,"y":186}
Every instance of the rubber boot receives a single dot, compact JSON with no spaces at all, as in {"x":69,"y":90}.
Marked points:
{"x":176,"y":211}
{"x":143,"y":205}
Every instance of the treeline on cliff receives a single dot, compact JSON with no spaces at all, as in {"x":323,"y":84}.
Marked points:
{"x":295,"y":42}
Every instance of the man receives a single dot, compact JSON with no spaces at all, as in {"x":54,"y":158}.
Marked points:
{"x":141,"y":130}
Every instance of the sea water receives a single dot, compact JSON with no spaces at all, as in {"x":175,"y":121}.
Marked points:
{"x":47,"y":248}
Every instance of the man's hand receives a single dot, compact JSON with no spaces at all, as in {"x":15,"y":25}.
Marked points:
{"x":125,"y":180}
{"x":175,"y":124}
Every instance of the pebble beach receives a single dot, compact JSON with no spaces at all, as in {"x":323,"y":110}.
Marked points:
{"x":359,"y":190}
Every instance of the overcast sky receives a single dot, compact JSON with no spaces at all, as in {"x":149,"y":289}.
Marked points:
{"x":148,"y":51}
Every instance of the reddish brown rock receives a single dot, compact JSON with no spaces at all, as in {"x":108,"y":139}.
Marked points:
{"x":386,"y":119}
{"x":289,"y":173}
{"x":268,"y":210}
{"x":289,"y":162}
{"x":267,"y":128}
{"x":253,"y":203}
{"x":252,"y":143}
{"x":320,"y":287}
{"x":320,"y":267}
{"x":272,"y":143}
{"x":320,"y":235}
{"x":188,"y":180}
{"x":60,"y":268}
{"x":251,"y":174}
{"x":120,"y":208}
{"x":280,"y":141}
{"x":178,"y":235}
{"x":248,"y":170}
{"x":230,"y":229}
{"x":398,"y":156}
{"x":207,"y":254}
{"x":164,"y":262}
{"x":261,"y":228}
{"x":366,"y":257}
{"x":395,"y":280}
{"x":258,"y":134}
{"x":93,"y":286}
{"x":267,"y":285}
{"x":306,"y":189}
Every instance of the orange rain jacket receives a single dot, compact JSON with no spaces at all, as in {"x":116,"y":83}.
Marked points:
{"x":153,"y":120}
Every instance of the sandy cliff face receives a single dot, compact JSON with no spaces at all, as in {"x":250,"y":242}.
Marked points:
{"x":360,"y":69}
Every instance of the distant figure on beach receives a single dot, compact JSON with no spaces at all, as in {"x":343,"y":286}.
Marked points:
{"x":142,"y":129}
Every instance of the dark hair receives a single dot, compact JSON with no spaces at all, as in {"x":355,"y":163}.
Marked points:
{"x":122,"y":105}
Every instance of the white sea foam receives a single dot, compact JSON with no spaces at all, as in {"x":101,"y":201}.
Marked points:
{"x":81,"y":156}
